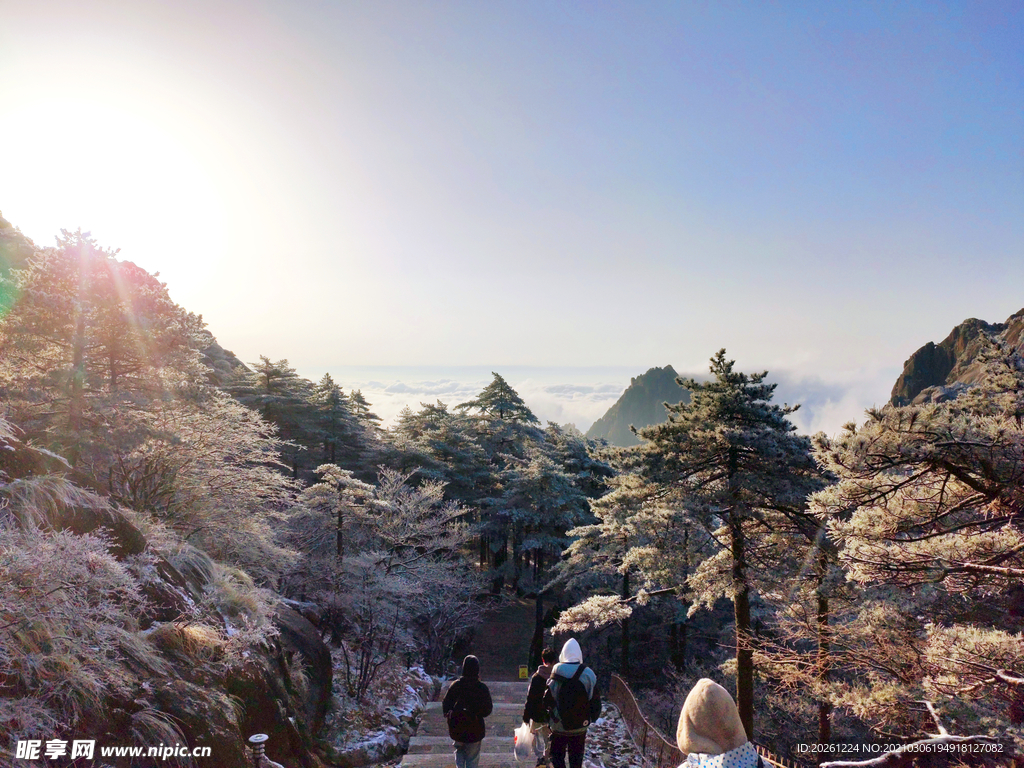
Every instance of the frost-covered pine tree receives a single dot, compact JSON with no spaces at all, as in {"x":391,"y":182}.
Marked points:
{"x":637,"y":546}
{"x":506,"y":430}
{"x":384,"y":561}
{"x":732,"y":460}
{"x":360,"y":407}
{"x":499,"y":400}
{"x":276,"y":391}
{"x":85,"y":335}
{"x":443,"y":446}
{"x":929,"y":503}
{"x":540,"y":503}
{"x":335,"y":422}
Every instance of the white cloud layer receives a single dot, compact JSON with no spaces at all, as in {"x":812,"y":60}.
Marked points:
{"x":581,"y":396}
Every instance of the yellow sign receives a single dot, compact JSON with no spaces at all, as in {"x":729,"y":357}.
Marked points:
{"x":524,"y":672}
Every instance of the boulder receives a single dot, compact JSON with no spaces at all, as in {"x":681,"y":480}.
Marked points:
{"x":300,"y":636}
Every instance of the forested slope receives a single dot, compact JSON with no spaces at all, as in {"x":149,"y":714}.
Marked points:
{"x":172,"y":500}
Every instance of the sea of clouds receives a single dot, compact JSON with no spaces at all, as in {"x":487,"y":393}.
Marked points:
{"x":580,"y":396}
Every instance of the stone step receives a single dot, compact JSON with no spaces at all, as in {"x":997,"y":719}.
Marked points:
{"x":495,"y":731}
{"x":502,"y":714}
{"x":510,"y":693}
{"x":487,"y":760}
{"x":502,"y":729}
{"x":431,"y":747}
{"x":427,"y":745}
{"x":499,"y":706}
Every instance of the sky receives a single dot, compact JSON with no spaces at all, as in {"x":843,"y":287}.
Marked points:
{"x":411,"y":192}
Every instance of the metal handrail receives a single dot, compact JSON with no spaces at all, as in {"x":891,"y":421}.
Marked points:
{"x":655,"y":749}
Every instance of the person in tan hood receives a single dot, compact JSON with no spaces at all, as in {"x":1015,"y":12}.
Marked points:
{"x":710,"y":732}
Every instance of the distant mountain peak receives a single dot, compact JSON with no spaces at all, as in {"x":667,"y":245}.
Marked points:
{"x":641,"y":405}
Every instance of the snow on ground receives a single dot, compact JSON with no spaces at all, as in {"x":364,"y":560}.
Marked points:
{"x":608,"y":742}
{"x":364,"y":733}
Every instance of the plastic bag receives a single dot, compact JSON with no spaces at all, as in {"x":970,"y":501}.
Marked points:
{"x":522,"y":747}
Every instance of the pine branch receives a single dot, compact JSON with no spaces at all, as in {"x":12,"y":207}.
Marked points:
{"x":935,"y":717}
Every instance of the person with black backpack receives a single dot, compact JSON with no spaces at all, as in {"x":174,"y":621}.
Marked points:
{"x":574,"y":703}
{"x":465,"y":706}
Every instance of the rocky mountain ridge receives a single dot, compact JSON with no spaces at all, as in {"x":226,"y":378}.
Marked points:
{"x":937,"y":372}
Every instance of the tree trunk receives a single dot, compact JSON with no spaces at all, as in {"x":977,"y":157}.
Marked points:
{"x":76,"y":406}
{"x":624,"y":658}
{"x":537,"y":644}
{"x":741,"y":605}
{"x":517,"y":561}
{"x":340,"y":541}
{"x":824,"y":649}
{"x":678,"y":637}
{"x":500,"y":558}
{"x":741,"y":612}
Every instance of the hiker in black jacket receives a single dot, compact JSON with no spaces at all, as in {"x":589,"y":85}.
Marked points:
{"x":465,"y":706}
{"x":534,"y":713}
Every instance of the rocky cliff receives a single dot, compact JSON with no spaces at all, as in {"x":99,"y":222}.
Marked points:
{"x":641,"y":405}
{"x":937,"y":372}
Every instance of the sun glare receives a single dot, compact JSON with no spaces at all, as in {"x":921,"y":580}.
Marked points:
{"x":116,"y":173}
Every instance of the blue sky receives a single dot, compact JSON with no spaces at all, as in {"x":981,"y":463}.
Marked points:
{"x":819,"y":188}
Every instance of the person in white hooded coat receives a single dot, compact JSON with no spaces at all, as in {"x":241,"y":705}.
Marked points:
{"x":571,"y":740}
{"x":710,"y":732}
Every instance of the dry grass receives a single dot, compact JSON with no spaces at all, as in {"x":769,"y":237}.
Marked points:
{"x":194,"y":564}
{"x":192,"y":641}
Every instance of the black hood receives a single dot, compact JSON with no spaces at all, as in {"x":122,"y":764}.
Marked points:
{"x":471,"y":667}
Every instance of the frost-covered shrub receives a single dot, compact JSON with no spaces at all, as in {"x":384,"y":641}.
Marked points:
{"x":68,"y":633}
{"x":382,"y":561}
{"x":207,"y":467}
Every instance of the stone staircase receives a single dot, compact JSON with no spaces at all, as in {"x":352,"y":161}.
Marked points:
{"x":432,"y":748}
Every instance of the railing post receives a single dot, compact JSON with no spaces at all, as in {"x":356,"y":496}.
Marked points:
{"x":257,"y":745}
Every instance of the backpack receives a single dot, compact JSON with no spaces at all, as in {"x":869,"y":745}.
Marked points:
{"x":572,"y":702}
{"x":461,"y":723}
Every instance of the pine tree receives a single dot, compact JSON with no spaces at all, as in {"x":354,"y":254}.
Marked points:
{"x":732,"y":459}
{"x":929,"y":503}
{"x":361,"y":410}
{"x":540,"y":503}
{"x":505,"y":429}
{"x":340,"y":432}
{"x":85,"y":332}
{"x":443,"y":446}
{"x":275,"y":390}
{"x":499,"y":401}
{"x":637,"y":546}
